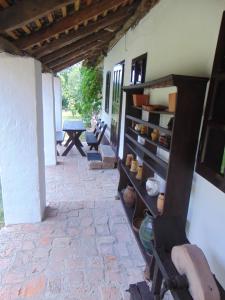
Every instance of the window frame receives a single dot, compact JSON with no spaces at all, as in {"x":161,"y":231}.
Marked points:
{"x":139,"y":59}
{"x":107,"y":90}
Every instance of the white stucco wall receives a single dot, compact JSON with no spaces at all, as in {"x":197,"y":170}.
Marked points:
{"x":21,"y":147}
{"x":58,"y":103}
{"x":49,"y":118}
{"x":180,"y":38}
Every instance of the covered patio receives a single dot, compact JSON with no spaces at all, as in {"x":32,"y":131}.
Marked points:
{"x":83,"y":249}
{"x":151,"y":219}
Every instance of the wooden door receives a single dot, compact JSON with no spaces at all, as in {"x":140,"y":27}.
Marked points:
{"x":118,"y":73}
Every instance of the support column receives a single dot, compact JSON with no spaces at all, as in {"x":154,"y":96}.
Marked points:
{"x":58,"y":103}
{"x":22,"y":143}
{"x":49,"y":118}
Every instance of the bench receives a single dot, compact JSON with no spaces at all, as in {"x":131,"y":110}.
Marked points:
{"x":59,"y":136}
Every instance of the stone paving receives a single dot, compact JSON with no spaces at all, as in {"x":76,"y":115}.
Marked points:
{"x":83,"y":250}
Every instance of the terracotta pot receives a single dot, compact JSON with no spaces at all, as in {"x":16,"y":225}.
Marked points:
{"x":129,"y":196}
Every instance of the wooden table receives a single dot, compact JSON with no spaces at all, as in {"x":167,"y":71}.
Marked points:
{"x":74,"y":129}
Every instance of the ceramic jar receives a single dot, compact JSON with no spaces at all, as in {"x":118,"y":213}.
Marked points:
{"x":152,"y":186}
{"x":129,"y":159}
{"x":134,"y":166}
{"x":137,"y":127}
{"x":160,"y":203}
{"x":129,"y":196}
{"x":139,"y":173}
{"x":155,"y":135}
{"x":146,"y":233}
{"x":141,"y":140}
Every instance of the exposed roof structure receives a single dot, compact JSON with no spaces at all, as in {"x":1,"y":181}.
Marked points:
{"x":61,"y":33}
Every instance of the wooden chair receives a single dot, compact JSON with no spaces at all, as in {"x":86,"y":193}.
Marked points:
{"x":94,"y":141}
{"x":96,"y":131}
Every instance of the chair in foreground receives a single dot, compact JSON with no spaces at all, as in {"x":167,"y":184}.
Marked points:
{"x":94,"y":141}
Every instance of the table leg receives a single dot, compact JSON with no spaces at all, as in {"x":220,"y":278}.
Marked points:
{"x":78,"y":144}
{"x":68,"y":141}
{"x":68,"y":148}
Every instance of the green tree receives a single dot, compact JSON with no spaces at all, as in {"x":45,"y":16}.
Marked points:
{"x":82,"y":91}
{"x":88,"y":100}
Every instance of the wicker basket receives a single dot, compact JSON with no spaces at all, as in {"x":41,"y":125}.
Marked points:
{"x":140,"y":99}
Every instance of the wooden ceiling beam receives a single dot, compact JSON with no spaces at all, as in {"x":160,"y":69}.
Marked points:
{"x":82,"y":32}
{"x":92,"y":54}
{"x":26,"y":11}
{"x":102,"y":35}
{"x":74,"y":54}
{"x":70,"y":63}
{"x":68,"y":22}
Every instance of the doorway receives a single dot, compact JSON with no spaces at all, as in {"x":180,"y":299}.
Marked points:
{"x":118,"y":75}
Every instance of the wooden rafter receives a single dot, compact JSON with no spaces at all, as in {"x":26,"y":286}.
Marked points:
{"x":26,"y":11}
{"x":12,"y":35}
{"x":79,"y":45}
{"x":90,"y":55}
{"x":82,"y":32}
{"x":9,"y":47}
{"x":71,"y":55}
{"x":70,"y":63}
{"x":68,"y":22}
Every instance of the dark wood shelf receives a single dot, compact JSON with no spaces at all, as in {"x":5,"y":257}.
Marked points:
{"x":148,"y":124}
{"x":153,"y":156}
{"x":167,"y":81}
{"x":161,"y":112}
{"x":169,"y":228}
{"x":150,"y":202}
{"x":149,"y":140}
{"x":129,"y":213}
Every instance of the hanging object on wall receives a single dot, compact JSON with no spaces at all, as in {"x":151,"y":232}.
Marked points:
{"x":189,"y":260}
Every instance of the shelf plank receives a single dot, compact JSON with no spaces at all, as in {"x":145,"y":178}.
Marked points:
{"x":167,"y":81}
{"x":161,"y":112}
{"x":151,"y":164}
{"x":149,"y":140}
{"x":148,"y":124}
{"x":129,"y":213}
{"x":162,"y":163}
{"x":150,"y":202}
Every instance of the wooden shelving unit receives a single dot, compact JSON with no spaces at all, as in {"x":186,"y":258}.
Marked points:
{"x":177,"y":171}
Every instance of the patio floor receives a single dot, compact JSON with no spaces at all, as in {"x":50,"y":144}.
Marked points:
{"x":83,"y":250}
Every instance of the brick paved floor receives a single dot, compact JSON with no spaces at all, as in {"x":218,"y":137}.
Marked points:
{"x":84,"y":250}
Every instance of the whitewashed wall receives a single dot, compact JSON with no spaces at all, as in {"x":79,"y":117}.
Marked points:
{"x":180,"y":37}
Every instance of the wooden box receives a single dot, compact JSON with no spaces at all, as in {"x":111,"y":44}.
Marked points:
{"x":140,"y":99}
{"x":172,"y":102}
